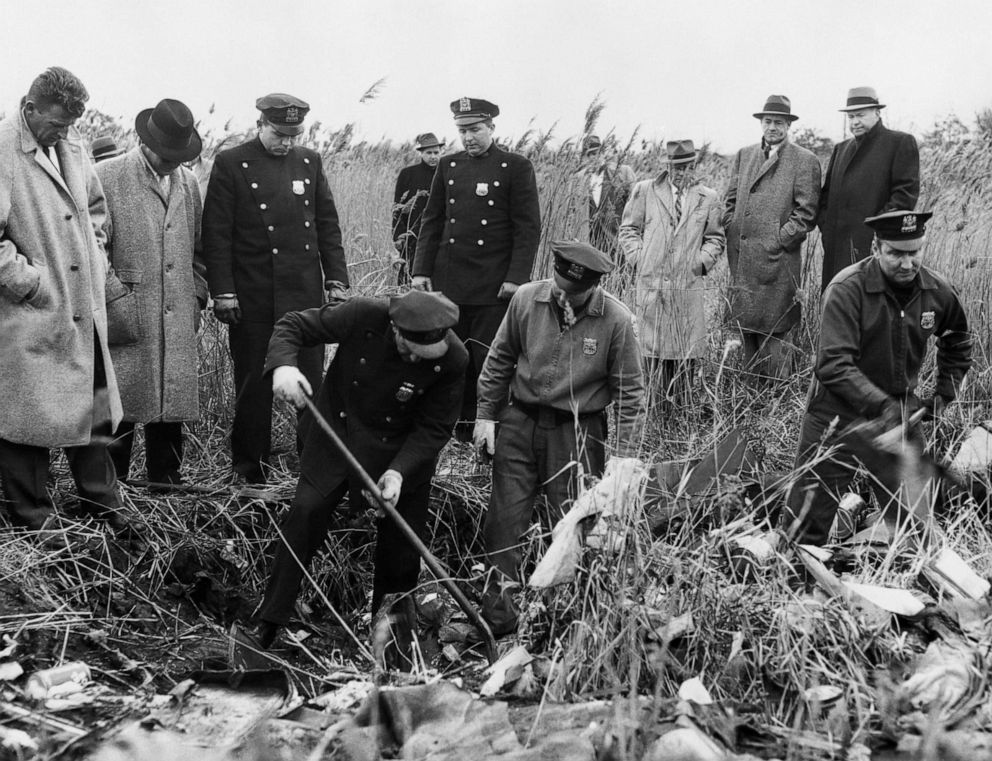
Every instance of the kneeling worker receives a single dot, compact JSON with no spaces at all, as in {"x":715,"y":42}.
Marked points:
{"x":392,"y":393}
{"x":565,"y":352}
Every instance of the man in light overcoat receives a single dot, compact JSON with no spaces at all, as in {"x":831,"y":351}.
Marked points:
{"x":153,"y":239}
{"x":671,"y":235}
{"x":57,"y":383}
{"x":770,"y":206}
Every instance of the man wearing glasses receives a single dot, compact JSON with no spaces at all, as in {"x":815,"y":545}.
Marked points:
{"x":272,"y":244}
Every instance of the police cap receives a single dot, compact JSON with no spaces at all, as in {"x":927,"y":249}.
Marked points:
{"x":903,"y":230}
{"x":472,"y":111}
{"x":284,"y":112}
{"x":580,"y":262}
{"x":423,"y":319}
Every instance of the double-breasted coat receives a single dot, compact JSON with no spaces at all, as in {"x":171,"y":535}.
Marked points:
{"x":413,"y":186}
{"x":53,"y":288}
{"x":392,"y":414}
{"x":871,"y":175}
{"x":770,"y":206}
{"x":481,"y":227}
{"x":153,"y":241}
{"x":270,"y":231}
{"x":671,"y":258}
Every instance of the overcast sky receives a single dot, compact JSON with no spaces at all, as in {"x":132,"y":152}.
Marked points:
{"x":697,"y":68}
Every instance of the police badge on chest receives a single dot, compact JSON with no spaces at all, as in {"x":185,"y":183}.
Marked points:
{"x":298,"y":187}
{"x":405,"y":392}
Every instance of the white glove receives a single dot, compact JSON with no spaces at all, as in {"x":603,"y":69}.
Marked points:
{"x":484,"y":436}
{"x":390,"y":484}
{"x":290,"y":385}
{"x":421,"y":283}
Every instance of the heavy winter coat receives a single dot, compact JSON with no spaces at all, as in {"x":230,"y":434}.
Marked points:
{"x":770,"y":206}
{"x":53,"y":283}
{"x":670,"y":259}
{"x":878,"y":173}
{"x":481,"y":226}
{"x":153,"y":244}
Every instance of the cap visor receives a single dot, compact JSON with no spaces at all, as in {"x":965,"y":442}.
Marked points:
{"x":289,"y":130}
{"x":435,"y":350}
{"x":465,"y":121}
{"x":913,"y":244}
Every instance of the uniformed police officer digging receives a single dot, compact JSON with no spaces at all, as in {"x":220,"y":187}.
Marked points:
{"x":878,"y":316}
{"x":479,"y":235}
{"x":272,"y":244}
{"x":392,"y":394}
{"x":565,"y":352}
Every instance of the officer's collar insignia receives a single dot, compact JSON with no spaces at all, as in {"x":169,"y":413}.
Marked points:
{"x":465,"y":104}
{"x":292,"y":115}
{"x":927,"y":320}
{"x":909,"y":223}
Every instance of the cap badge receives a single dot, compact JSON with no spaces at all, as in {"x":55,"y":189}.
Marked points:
{"x":292,"y":115}
{"x":405,"y":392}
{"x":909,"y":223}
{"x":298,"y":187}
{"x":576,"y":271}
{"x":589,"y":346}
{"x":927,"y":320}
{"x":482,"y":188}
{"x":464,"y":104}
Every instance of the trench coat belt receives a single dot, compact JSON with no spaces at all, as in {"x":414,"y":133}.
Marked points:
{"x":549,"y":417}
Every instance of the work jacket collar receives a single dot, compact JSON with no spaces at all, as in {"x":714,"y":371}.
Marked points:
{"x":875,"y":281}
{"x":595,"y":307}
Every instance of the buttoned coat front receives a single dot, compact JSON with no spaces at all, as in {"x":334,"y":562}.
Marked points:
{"x":392,"y":414}
{"x":270,"y":230}
{"x":481,"y":227}
{"x":51,"y":247}
{"x":770,"y":206}
{"x":153,"y":242}
{"x":670,"y":258}
{"x":878,"y":173}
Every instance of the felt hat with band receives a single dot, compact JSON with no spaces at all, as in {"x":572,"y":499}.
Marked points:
{"x":862,"y":97}
{"x":777,"y":105}
{"x":105,"y":147}
{"x":427,"y":140}
{"x":680,"y":151}
{"x":169,"y":130}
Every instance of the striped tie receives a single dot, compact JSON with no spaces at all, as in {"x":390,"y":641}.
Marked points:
{"x":678,"y":205}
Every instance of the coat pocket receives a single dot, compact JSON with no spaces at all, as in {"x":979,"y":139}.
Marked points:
{"x":124,"y":312}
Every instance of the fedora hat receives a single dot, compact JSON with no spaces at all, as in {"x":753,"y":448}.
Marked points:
{"x":105,"y":147}
{"x":428,"y":140}
{"x":862,"y":97}
{"x":680,"y":151}
{"x":777,"y":105}
{"x":169,"y":131}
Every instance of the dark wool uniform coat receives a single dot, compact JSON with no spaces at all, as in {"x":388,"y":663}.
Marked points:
{"x":878,"y":173}
{"x":413,"y":185}
{"x":481,"y":227}
{"x":270,"y":231}
{"x":392,"y":414}
{"x":770,"y":206}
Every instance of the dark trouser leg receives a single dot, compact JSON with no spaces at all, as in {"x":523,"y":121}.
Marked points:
{"x":120,"y":448}
{"x":303,"y":533}
{"x":251,"y":432}
{"x":477,"y":326}
{"x":813,"y":499}
{"x":310,"y":361}
{"x":164,"y":451}
{"x":397,"y":562}
{"x":24,"y":472}
{"x":567,"y":443}
{"x":767,"y":355}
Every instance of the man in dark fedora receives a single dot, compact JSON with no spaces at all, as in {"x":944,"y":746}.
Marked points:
{"x":479,"y":235}
{"x":610,"y":183}
{"x":875,"y":171}
{"x":153,"y":240}
{"x":272,"y":244}
{"x":103,"y":148}
{"x":880,"y":316}
{"x":413,"y":185}
{"x":769,"y":207}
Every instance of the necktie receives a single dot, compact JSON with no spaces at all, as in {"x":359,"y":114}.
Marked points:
{"x":678,"y":204}
{"x":51,"y":157}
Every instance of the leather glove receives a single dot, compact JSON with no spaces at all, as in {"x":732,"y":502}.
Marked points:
{"x":390,"y":483}
{"x":506,"y":291}
{"x":227,"y":310}
{"x":484,"y":437}
{"x":422,"y":283}
{"x":290,"y":385}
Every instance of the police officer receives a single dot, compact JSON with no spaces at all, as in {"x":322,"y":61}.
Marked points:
{"x":392,"y":394}
{"x":479,"y":234}
{"x":413,"y":185}
{"x":878,"y":317}
{"x":565,"y":353}
{"x":272,"y":244}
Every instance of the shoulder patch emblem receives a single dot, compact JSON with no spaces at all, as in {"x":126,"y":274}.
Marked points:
{"x":589,"y":346}
{"x":927,"y":320}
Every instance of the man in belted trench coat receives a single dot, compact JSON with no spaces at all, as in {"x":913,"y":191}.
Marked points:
{"x":272,"y":244}
{"x":479,"y":235}
{"x":57,"y":383}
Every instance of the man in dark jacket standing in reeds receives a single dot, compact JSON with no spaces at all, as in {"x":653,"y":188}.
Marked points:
{"x":413,"y":185}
